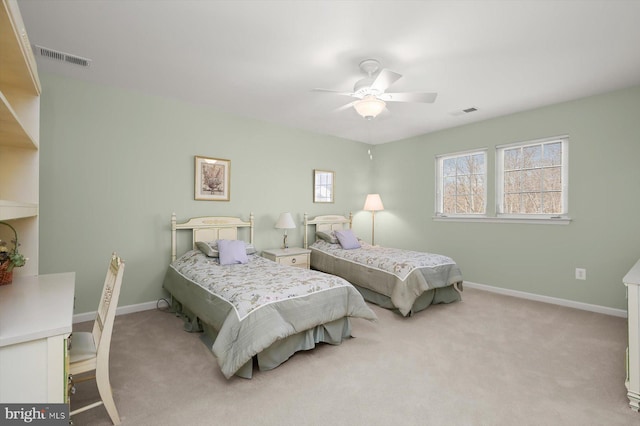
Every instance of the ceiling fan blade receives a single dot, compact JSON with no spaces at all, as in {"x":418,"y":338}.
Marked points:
{"x":335,"y":92}
{"x":343,"y":107}
{"x":409,"y":97}
{"x":384,"y":79}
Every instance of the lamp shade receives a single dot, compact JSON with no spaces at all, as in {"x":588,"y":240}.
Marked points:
{"x":369,"y":107}
{"x":373,"y":203}
{"x":285,"y":221}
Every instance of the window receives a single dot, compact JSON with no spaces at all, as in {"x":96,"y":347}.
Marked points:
{"x":461,"y":183}
{"x":531,"y":178}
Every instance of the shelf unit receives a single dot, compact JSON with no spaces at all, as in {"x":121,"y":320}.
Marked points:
{"x":632,"y":382}
{"x":19,"y":135}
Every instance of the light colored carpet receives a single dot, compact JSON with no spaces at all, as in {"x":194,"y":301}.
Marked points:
{"x":488,"y":360}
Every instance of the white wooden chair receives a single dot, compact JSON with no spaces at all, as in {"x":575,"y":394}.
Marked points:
{"x":90,"y":350}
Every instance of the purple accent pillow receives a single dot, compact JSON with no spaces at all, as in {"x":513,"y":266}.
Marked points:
{"x":232,"y":252}
{"x":347,"y":239}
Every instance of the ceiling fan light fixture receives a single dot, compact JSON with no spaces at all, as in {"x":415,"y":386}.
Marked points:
{"x":369,"y":107}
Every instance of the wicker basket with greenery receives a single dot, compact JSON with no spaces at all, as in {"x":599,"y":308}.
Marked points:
{"x":10,"y":257}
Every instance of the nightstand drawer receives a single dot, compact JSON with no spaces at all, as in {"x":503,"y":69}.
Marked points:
{"x":299,"y":260}
{"x":292,"y":256}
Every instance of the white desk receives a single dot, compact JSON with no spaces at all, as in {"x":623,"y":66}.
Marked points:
{"x":36,"y":317}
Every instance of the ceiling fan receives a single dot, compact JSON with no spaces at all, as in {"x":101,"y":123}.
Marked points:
{"x":370,"y":92}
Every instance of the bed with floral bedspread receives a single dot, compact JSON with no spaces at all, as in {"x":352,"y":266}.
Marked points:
{"x":261,"y":309}
{"x":404,"y":280}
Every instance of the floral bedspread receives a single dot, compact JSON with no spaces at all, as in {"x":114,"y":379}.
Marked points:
{"x":260,"y":282}
{"x":398,"y":262}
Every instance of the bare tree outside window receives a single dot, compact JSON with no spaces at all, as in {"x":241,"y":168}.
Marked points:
{"x":533,"y":178}
{"x":462,"y":184}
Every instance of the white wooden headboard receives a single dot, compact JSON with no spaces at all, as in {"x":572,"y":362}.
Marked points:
{"x":209,"y":228}
{"x":325,"y":223}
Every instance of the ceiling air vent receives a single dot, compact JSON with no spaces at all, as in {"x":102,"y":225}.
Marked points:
{"x":45,"y":52}
{"x":464,"y":111}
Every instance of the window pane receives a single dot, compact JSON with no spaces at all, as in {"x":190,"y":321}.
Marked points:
{"x":449,"y":167}
{"x":477,"y":205}
{"x":511,"y":182}
{"x":449,"y":206}
{"x":462,"y":185}
{"x":449,"y":187}
{"x":531,"y":156}
{"x":532,"y":180}
{"x":463,"y":165}
{"x":512,"y":203}
{"x":512,"y":159}
{"x":478,"y":163}
{"x":552,"y":179}
{"x":531,"y":202}
{"x":477,"y":185}
{"x":463,"y":203}
{"x":553,"y":154}
{"x":462,"y":180}
{"x":552,"y":202}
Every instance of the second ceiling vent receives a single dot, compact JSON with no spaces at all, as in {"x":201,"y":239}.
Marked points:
{"x":56,"y":55}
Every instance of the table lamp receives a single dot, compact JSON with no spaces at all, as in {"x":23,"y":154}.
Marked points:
{"x":285,"y":221}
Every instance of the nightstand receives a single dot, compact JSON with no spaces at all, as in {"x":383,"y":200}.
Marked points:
{"x":292,"y":256}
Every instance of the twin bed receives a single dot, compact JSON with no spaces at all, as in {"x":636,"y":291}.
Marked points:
{"x":403,"y":280}
{"x":255,"y":312}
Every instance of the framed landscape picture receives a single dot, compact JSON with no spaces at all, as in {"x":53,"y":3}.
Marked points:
{"x":213,"y":179}
{"x":323,"y":186}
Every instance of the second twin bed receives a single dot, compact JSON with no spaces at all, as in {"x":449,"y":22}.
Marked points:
{"x":404,"y":280}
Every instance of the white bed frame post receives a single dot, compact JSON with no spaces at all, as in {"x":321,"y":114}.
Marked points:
{"x":306,"y":219}
{"x":251,"y":228}
{"x":174,"y":246}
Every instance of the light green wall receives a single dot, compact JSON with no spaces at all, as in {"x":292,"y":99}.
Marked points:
{"x":604,"y":179}
{"x":115,"y":164}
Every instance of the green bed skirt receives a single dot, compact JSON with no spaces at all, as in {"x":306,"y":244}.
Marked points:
{"x":434,"y":296}
{"x":332,"y":333}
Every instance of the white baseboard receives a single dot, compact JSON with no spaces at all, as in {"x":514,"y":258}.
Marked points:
{"x":129,"y":309}
{"x":122,"y":310}
{"x":547,"y":299}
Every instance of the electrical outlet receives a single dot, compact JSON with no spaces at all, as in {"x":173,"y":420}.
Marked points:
{"x":581,"y":274}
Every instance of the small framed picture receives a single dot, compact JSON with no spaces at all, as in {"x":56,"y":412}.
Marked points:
{"x":323,"y":186}
{"x":213,"y":179}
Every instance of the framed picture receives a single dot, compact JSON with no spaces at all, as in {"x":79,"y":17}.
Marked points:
{"x":323,"y":186}
{"x":213,"y":179}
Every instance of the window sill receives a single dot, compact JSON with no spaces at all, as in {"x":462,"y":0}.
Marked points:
{"x":487,"y":219}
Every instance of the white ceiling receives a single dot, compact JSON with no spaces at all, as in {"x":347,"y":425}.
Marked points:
{"x":261,"y":59}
